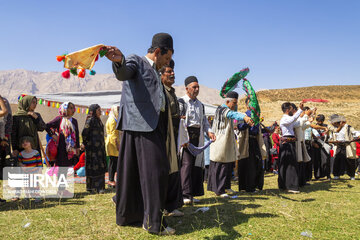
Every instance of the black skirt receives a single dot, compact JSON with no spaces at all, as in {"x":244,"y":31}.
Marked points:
{"x":250,"y":170}
{"x":342,"y":164}
{"x":321,"y":163}
{"x":289,"y":171}
{"x":219,"y":177}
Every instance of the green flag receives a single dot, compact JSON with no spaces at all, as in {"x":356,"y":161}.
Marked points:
{"x":253,"y":103}
{"x":232,"y":82}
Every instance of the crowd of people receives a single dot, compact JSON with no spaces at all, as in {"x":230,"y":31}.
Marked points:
{"x":159,"y":144}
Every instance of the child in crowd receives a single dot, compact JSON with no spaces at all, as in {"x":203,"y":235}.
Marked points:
{"x":30,"y":158}
{"x":79,"y":168}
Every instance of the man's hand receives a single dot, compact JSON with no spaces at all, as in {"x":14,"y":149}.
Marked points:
{"x":212,"y":136}
{"x":301,"y":105}
{"x":15,"y":153}
{"x":33,"y":115}
{"x":113,"y":54}
{"x":248,"y":121}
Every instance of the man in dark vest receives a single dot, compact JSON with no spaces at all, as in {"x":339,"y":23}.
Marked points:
{"x":143,"y":167}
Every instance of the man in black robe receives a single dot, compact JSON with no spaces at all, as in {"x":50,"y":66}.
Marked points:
{"x":143,"y":167}
{"x":252,"y":152}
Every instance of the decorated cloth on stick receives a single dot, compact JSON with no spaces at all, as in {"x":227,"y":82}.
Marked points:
{"x":77,"y":62}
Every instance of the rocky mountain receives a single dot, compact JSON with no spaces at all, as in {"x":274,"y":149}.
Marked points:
{"x":15,"y":82}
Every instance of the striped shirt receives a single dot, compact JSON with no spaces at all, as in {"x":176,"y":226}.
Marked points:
{"x":30,"y":159}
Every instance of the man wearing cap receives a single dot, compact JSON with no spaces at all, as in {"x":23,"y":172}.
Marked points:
{"x":342,"y":136}
{"x":223,"y":152}
{"x":289,"y":171}
{"x":174,"y":199}
{"x":143,"y":167}
{"x":191,"y":171}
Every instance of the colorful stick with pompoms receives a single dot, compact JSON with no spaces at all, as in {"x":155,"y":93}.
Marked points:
{"x":77,"y":62}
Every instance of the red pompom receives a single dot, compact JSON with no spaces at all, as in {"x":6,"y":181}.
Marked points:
{"x":60,"y":58}
{"x":81,"y":73}
{"x":66,"y":74}
{"x":97,"y":57}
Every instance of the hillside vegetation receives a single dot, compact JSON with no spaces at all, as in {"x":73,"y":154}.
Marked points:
{"x":344,"y":100}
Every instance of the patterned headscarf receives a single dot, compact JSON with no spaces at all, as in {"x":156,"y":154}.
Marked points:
{"x":24,"y":105}
{"x":67,"y":128}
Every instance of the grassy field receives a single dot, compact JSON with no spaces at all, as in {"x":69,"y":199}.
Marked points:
{"x":327,"y":210}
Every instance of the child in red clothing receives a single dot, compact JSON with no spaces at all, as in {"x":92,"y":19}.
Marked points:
{"x":79,"y":168}
{"x":276,"y":140}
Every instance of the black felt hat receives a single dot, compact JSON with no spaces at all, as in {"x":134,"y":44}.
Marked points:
{"x":190,"y":79}
{"x":162,"y":40}
{"x":232,"y":94}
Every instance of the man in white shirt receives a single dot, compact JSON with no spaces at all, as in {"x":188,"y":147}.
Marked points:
{"x":288,"y":166}
{"x":191,"y":171}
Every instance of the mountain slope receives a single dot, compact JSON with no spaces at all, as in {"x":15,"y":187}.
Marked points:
{"x":15,"y":82}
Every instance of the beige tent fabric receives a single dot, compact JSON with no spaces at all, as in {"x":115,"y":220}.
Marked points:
{"x":84,"y":58}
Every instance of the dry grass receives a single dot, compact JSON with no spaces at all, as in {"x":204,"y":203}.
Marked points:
{"x":343,"y":100}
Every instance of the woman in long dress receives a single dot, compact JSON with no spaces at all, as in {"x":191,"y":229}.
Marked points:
{"x":94,"y":142}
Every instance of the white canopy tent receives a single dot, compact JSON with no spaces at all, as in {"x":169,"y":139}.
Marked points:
{"x":105,"y":99}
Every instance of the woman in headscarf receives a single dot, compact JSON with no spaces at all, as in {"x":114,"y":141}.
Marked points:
{"x":68,"y":135}
{"x":112,"y":143}
{"x":93,"y":139}
{"x":26,"y":123}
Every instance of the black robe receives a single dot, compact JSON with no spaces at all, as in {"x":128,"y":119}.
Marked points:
{"x":95,"y":155}
{"x":289,"y":170}
{"x":250,"y":169}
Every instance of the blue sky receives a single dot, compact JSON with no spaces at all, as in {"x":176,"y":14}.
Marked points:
{"x":284,"y":43}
